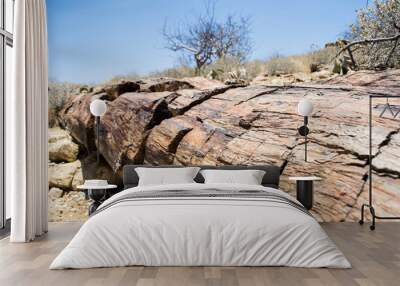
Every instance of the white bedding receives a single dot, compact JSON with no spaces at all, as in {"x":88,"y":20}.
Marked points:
{"x":200,"y":231}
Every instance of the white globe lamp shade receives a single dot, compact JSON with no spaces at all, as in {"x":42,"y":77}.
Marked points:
{"x":98,"y":107}
{"x":305,"y":107}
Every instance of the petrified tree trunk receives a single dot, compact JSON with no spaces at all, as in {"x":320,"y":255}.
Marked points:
{"x":258,"y":125}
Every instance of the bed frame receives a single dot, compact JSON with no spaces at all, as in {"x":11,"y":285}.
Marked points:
{"x":271,"y":178}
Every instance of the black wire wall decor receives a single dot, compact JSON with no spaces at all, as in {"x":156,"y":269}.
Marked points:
{"x":389,"y":107}
{"x":369,"y":205}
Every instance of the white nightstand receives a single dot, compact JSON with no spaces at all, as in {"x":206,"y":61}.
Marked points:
{"x":97,"y":194}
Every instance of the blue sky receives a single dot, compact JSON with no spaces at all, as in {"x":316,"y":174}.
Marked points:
{"x":93,"y":40}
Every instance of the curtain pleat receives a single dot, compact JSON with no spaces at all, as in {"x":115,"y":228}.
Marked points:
{"x":29,"y":159}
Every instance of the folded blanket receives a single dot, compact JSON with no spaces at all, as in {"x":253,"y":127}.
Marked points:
{"x":207,"y":193}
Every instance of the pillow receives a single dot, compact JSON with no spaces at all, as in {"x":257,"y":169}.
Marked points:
{"x":247,"y":177}
{"x":166,"y":176}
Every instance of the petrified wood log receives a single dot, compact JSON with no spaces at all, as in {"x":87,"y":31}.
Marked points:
{"x":75,"y":116}
{"x":163,"y":84}
{"x":165,"y":138}
{"x":115,"y":90}
{"x":257,"y":124}
{"x":127,"y":123}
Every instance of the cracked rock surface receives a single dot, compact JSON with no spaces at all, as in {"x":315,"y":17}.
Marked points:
{"x":197,"y":121}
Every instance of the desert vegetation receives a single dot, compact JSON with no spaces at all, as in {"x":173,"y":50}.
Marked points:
{"x":374,"y":38}
{"x":222,"y":69}
{"x":308,"y":62}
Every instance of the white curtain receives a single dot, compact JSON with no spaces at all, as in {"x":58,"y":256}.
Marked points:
{"x":26,"y":143}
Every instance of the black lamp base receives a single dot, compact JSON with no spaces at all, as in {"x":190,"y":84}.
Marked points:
{"x":303,"y":130}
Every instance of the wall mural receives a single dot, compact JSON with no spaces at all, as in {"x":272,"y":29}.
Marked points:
{"x":210,"y":90}
{"x":201,"y":121}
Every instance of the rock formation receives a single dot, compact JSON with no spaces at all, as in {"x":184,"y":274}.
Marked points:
{"x":66,"y":172}
{"x":67,"y":206}
{"x":196,"y":121}
{"x":61,"y":146}
{"x":66,"y":202}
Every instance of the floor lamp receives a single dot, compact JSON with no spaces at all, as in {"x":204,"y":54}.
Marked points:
{"x":98,"y":108}
{"x":305,"y":108}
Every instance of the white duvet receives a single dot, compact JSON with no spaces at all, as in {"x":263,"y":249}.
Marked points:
{"x":200,"y":231}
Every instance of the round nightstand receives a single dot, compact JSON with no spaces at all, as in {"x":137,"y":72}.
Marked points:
{"x":97,"y":194}
{"x":304,"y":190}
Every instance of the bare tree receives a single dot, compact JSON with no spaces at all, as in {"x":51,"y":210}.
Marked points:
{"x":232,"y":38}
{"x":207,"y":39}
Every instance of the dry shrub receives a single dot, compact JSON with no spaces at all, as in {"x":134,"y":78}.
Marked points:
{"x":254,"y":68}
{"x":308,"y":62}
{"x":119,"y":78}
{"x":175,"y":72}
{"x":222,"y":68}
{"x":321,"y":56}
{"x":219,"y":69}
{"x":58,"y":94}
{"x":282,"y":65}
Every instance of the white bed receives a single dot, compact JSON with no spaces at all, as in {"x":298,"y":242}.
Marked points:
{"x":203,"y":231}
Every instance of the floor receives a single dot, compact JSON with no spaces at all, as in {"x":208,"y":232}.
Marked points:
{"x":375,"y":257}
